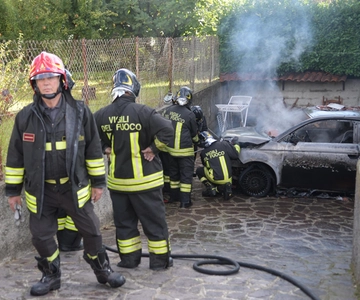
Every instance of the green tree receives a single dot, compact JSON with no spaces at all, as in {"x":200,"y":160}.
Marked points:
{"x":92,"y":19}
{"x":155,"y":18}
{"x":53,"y":19}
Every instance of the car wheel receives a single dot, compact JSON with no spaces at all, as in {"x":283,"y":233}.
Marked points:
{"x":256,"y":181}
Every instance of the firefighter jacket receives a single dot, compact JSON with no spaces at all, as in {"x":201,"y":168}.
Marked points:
{"x":217,"y":161}
{"x":26,"y":154}
{"x":185,"y":130}
{"x":128,"y":128}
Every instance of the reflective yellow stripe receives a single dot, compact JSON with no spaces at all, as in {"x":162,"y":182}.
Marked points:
{"x":175,"y":184}
{"x":112,"y":161}
{"x":62,"y":180}
{"x":210,"y":176}
{"x":185,"y":187}
{"x":130,"y":245}
{"x":60,"y":145}
{"x":14,"y":175}
{"x":237,"y":147}
{"x":136,"y":155}
{"x":158,"y":247}
{"x":84,"y":195}
{"x":31,"y":202}
{"x":160,"y":145}
{"x":55,"y":255}
{"x":181,"y":152}
{"x":136,"y":184}
{"x":95,"y":167}
{"x":224,"y":167}
{"x":91,"y":256}
{"x":178,"y":135}
{"x":61,"y":223}
{"x":167,"y":178}
{"x":70,"y":224}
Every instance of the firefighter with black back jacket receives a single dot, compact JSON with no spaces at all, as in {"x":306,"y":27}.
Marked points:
{"x":55,"y":153}
{"x":216,"y":173}
{"x":68,"y":236}
{"x":181,"y":148}
{"x":134,"y":134}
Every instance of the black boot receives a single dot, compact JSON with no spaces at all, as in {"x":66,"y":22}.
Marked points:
{"x":174,"y":195}
{"x":50,"y":279}
{"x":159,"y":262}
{"x":185,"y":200}
{"x":69,"y":240}
{"x":210,"y":189}
{"x":227,"y":191}
{"x":103,"y":271}
{"x":130,"y":260}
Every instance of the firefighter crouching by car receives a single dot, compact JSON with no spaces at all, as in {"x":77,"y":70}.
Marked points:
{"x":135,"y":134}
{"x":216,"y":173}
{"x":55,"y":154}
{"x":181,"y":148}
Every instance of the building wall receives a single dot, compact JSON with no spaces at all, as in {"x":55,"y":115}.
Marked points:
{"x":274,"y":99}
{"x":307,"y":93}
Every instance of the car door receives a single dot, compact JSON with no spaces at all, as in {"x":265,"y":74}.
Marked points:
{"x":320,"y":156}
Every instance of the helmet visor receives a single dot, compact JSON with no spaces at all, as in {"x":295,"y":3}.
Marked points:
{"x":45,"y":75}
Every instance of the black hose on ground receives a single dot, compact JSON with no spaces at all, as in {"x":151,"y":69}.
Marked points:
{"x":220,"y":260}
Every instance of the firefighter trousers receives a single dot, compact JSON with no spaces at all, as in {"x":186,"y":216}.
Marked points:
{"x":181,"y":170}
{"x":148,"y":208}
{"x":44,"y":230}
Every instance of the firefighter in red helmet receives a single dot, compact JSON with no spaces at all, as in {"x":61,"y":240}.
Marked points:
{"x":55,"y":154}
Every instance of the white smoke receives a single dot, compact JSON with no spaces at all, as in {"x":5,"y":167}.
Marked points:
{"x":265,"y":42}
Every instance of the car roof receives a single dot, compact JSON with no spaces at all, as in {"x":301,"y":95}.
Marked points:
{"x":328,"y":110}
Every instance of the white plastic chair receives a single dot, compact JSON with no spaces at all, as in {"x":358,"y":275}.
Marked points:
{"x":236,"y":104}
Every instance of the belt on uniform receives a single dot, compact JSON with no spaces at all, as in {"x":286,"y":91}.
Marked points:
{"x":54,"y":181}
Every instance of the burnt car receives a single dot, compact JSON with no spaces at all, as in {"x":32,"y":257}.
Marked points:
{"x":319,"y":154}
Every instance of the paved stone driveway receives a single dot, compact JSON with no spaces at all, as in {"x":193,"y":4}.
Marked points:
{"x":309,"y":240}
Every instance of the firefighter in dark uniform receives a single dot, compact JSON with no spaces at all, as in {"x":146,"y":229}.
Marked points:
{"x":181,"y":148}
{"x":216,"y":173}
{"x":68,"y":236}
{"x":164,"y":156}
{"x":201,"y":124}
{"x":134,"y":134}
{"x":55,"y":152}
{"x":200,"y":118}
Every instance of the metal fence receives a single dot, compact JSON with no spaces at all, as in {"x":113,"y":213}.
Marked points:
{"x":161,"y":65}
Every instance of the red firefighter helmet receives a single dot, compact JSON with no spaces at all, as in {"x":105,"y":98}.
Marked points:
{"x":47,"y":65}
